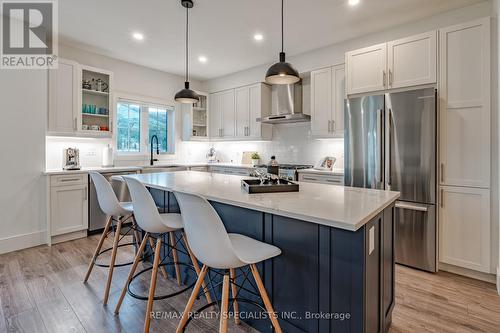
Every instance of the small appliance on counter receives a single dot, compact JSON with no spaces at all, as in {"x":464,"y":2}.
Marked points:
{"x":71,"y":159}
{"x":211,"y":155}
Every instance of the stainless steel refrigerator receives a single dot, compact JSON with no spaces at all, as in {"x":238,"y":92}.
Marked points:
{"x":390,"y":143}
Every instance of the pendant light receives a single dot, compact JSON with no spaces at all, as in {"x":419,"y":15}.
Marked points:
{"x":282,"y":72}
{"x":186,"y":95}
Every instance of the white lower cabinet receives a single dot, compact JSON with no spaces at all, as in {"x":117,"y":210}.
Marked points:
{"x":230,"y":170}
{"x":68,"y":205}
{"x":321,"y":178}
{"x":465,"y":228}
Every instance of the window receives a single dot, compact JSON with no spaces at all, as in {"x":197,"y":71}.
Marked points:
{"x":137,"y":122}
{"x":158,"y":121}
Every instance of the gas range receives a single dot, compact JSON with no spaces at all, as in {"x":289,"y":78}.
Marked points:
{"x":288,"y":171}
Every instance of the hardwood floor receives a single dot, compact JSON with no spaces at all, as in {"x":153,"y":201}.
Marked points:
{"x":41,"y":290}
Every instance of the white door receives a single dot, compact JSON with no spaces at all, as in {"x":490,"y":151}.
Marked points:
{"x":68,"y":209}
{"x":367,"y":69}
{"x":242,"y":113}
{"x":465,"y":228}
{"x":321,"y":102}
{"x":228,"y":113}
{"x":63,"y":97}
{"x":339,"y":96}
{"x":256,"y":101}
{"x":412,"y":61}
{"x":214,"y":116}
{"x":465,"y":105}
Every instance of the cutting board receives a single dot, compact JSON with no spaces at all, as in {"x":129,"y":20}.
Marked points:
{"x":246,"y":158}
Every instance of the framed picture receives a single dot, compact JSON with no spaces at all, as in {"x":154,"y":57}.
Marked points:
{"x":326,"y":163}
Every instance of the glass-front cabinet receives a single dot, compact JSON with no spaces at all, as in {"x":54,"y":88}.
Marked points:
{"x":195,"y":119}
{"x":96,"y":106}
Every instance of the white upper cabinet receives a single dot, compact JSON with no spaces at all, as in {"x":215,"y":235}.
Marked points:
{"x":465,"y":105}
{"x":327,"y":101}
{"x":412,"y":61}
{"x":215,"y":116}
{"x":465,"y":228}
{"x":367,"y":69}
{"x":63,"y":97}
{"x":401,"y":63}
{"x":228,"y":113}
{"x":242,"y":97}
{"x":234,"y":113}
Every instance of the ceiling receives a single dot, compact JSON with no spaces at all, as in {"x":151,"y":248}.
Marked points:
{"x":222,"y":30}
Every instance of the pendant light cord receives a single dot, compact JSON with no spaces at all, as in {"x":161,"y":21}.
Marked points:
{"x":282,"y":33}
{"x":187,"y":41}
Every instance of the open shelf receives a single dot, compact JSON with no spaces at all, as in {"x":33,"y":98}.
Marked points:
{"x":96,"y":115}
{"x":95,"y":92}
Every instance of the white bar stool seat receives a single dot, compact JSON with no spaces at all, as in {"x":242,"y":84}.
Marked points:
{"x":215,"y":248}
{"x":122,"y":211}
{"x":152,"y":222}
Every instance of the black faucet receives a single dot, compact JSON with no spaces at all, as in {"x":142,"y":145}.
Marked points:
{"x":152,"y":160}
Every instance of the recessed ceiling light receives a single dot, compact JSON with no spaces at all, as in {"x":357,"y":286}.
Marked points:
{"x":258,"y":37}
{"x":202,"y":59}
{"x":138,"y":36}
{"x":353,"y":2}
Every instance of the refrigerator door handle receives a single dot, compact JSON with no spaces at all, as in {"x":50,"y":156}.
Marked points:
{"x":389,"y":148}
{"x":412,"y":206}
{"x":381,"y":144}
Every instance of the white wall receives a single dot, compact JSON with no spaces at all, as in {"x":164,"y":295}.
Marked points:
{"x":23,"y":104}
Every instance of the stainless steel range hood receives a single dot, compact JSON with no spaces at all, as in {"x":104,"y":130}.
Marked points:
{"x":286,"y":105}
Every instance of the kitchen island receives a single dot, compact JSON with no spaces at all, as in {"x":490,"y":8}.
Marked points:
{"x":336,"y":271}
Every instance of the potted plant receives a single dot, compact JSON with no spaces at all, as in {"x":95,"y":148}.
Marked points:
{"x":255,"y":158}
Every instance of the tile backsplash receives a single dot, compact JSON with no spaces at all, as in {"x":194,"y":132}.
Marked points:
{"x":292,"y":143}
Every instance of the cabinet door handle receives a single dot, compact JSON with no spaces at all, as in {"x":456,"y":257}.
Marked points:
{"x":69,"y":180}
{"x":307,"y":178}
{"x":442,"y":172}
{"x":442,"y":198}
{"x":390,"y":77}
{"x":329,"y":126}
{"x":333,"y":126}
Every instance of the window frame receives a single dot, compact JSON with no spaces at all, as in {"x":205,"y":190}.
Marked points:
{"x":144,"y":149}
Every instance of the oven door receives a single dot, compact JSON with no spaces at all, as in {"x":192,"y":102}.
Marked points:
{"x":415,"y":235}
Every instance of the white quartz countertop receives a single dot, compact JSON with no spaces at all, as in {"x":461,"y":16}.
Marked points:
{"x":139,"y":168}
{"x":334,"y":206}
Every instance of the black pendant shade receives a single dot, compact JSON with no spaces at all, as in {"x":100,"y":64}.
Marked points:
{"x":282,"y":72}
{"x":186,"y":95}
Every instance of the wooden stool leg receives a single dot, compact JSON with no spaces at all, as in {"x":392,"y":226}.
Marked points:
{"x":98,"y":248}
{"x":224,"y":305}
{"x":234,"y":292}
{"x":137,"y":259}
{"x":136,"y":232}
{"x":112,"y":262}
{"x":162,"y":268}
{"x":194,"y":294}
{"x":152,"y":285}
{"x":265,"y":298}
{"x":197,"y":268}
{"x":176,"y":258}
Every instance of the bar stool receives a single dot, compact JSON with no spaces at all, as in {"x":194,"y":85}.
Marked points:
{"x":152,"y":222}
{"x":123,"y":211}
{"x":217,"y":249}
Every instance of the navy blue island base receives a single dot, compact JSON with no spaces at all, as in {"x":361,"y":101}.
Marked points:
{"x":326,"y":279}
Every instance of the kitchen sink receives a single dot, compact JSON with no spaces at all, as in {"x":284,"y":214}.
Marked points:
{"x":269,"y":186}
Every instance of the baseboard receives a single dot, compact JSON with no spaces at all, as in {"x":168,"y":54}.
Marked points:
{"x":491,"y":278}
{"x":69,"y":236}
{"x":24,"y":241}
{"x":498,"y":280}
